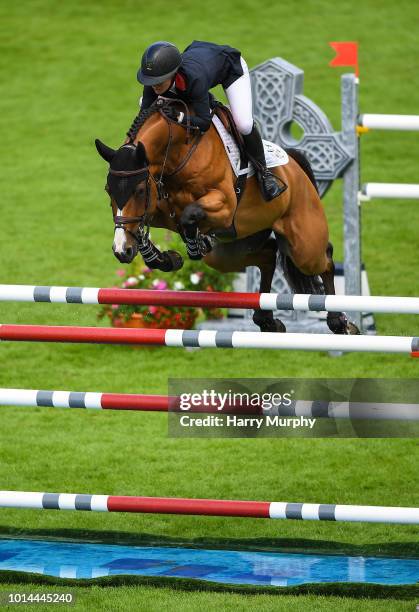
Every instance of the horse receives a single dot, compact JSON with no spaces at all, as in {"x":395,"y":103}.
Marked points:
{"x":168,"y":176}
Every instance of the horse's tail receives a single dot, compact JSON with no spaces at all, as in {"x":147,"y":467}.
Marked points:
{"x":299,"y":282}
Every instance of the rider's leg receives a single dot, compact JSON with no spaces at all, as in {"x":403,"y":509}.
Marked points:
{"x":239,"y":95}
{"x":268,"y":182}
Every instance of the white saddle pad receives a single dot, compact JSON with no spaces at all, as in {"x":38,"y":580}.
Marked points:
{"x":274,"y":154}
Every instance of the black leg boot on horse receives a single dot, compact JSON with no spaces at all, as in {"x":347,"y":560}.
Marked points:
{"x":197,"y":244}
{"x":266,"y":261}
{"x":268,"y":182}
{"x":337,"y":322}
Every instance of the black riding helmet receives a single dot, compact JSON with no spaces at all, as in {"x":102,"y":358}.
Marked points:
{"x":159,"y":62}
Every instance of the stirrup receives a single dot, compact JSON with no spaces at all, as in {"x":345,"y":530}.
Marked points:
{"x":272,"y":190}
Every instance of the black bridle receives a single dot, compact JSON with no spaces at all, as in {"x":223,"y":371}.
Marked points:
{"x":120,"y":220}
{"x":144,"y":174}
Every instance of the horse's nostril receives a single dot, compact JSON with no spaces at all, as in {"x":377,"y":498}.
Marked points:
{"x":129,"y":251}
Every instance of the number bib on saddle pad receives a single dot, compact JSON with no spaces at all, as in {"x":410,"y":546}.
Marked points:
{"x":274,"y":154}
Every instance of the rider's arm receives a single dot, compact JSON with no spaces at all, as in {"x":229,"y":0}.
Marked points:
{"x":199,"y":99}
{"x":148,"y":97}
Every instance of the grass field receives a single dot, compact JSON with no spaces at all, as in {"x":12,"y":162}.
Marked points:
{"x":68,"y":76}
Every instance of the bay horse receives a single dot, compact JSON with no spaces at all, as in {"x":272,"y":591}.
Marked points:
{"x":163,"y":176}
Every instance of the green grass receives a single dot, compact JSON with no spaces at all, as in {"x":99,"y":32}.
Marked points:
{"x":68,"y":76}
{"x":162,"y":600}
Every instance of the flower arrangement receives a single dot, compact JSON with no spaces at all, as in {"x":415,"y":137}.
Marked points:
{"x":193,"y":276}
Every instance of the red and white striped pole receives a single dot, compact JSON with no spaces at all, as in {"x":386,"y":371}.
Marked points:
{"x":209,"y":507}
{"x":210,"y":299}
{"x":210,"y":338}
{"x":122,"y":401}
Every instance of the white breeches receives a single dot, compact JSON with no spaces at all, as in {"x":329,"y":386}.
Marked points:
{"x":239,"y":96}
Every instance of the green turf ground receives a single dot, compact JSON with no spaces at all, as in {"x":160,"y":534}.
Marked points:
{"x":68,"y":76}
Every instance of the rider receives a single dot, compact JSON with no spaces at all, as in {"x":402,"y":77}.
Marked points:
{"x":190,"y":75}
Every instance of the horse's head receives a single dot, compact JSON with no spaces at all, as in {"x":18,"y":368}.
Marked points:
{"x":130,"y":189}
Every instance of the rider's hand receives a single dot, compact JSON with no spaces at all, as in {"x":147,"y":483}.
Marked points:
{"x":174,"y":115}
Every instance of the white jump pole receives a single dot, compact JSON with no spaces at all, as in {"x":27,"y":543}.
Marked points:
{"x":209,"y":507}
{"x":389,"y":122}
{"x":390,"y":190}
{"x":219,"y":299}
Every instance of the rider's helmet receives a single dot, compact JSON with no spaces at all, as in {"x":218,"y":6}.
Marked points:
{"x":160,"y":61}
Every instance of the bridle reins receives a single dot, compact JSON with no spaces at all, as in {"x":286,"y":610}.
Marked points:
{"x":144,"y":174}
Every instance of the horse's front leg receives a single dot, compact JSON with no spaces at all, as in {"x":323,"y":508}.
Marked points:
{"x":166,"y":261}
{"x":210,"y":211}
{"x":197,"y":245}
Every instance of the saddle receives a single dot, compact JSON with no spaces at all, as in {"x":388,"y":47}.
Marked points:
{"x":224,"y":115}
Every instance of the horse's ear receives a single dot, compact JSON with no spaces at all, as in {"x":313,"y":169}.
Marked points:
{"x":104,"y":151}
{"x":140,"y":153}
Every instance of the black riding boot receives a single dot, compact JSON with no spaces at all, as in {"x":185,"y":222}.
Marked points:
{"x":268,"y":182}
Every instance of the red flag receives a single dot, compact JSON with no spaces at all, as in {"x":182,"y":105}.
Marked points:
{"x":346,"y":54}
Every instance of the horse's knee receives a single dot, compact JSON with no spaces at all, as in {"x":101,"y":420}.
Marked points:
{"x":192,"y":215}
{"x":225,"y":218}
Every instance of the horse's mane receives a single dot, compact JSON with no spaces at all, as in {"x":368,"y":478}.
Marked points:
{"x":140,"y":119}
{"x":155,"y":107}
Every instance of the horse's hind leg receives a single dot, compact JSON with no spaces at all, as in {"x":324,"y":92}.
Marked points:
{"x":337,"y":322}
{"x":257,"y":250}
{"x":266,"y":262}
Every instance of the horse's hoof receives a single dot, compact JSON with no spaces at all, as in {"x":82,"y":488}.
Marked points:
{"x":176,"y":260}
{"x":169,"y":261}
{"x":353,"y":329}
{"x":279,"y":327}
{"x":337,"y":323}
{"x":340,"y":324}
{"x":270,"y":325}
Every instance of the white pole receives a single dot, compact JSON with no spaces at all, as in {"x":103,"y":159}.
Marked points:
{"x":320,"y":342}
{"x":209,"y":507}
{"x":390,"y":190}
{"x":389,"y":122}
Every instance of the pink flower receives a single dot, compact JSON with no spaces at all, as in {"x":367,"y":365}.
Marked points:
{"x":131,"y":281}
{"x":115,"y":306}
{"x":160,"y":285}
{"x":120,"y":272}
{"x":152,"y":309}
{"x":147,"y":270}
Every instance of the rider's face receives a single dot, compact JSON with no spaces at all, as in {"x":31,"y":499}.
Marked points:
{"x":161,"y":88}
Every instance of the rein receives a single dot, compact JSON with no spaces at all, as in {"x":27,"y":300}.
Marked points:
{"x":144,"y":174}
{"x":161,"y":104}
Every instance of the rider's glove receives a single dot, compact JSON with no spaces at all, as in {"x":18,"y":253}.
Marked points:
{"x":175,"y":115}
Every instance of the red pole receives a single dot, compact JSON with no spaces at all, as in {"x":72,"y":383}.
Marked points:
{"x":121,"y":401}
{"x":165,"y":403}
{"x":205,"y":507}
{"x":108,"y":335}
{"x":211,"y":299}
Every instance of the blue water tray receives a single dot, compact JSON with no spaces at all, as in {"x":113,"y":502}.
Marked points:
{"x":89,"y":560}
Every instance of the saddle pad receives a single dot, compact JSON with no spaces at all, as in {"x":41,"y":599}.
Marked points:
{"x":274,"y":154}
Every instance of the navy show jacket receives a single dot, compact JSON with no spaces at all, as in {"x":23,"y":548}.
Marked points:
{"x":204,"y":65}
